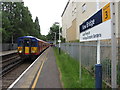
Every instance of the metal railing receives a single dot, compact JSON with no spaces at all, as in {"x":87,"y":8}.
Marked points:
{"x":88,"y":52}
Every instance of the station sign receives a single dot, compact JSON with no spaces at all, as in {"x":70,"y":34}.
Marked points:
{"x":98,"y":26}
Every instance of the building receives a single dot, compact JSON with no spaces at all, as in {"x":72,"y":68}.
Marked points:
{"x":69,"y":22}
{"x":75,"y":13}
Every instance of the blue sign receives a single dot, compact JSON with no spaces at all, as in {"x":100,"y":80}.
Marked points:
{"x":92,"y":21}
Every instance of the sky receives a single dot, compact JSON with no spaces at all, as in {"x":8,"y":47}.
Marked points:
{"x":48,"y":12}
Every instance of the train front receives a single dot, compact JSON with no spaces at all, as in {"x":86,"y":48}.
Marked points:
{"x":27,"y":46}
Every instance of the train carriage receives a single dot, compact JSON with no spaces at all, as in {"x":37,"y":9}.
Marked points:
{"x":29,"y":46}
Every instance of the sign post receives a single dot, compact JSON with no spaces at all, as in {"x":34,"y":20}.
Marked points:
{"x":98,"y":66}
{"x":96,"y":28}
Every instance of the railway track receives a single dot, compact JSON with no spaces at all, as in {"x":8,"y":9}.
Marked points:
{"x":12,"y":67}
{"x":11,"y":76}
{"x":8,"y":63}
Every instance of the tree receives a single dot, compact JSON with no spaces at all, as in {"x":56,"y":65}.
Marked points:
{"x":17,"y":21}
{"x":37,"y":26}
{"x":51,"y":35}
{"x":4,"y":35}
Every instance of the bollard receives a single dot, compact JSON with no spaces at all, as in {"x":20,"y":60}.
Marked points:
{"x":98,"y":76}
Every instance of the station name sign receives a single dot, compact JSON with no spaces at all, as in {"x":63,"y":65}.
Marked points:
{"x":97,"y":26}
{"x":91,"y":22}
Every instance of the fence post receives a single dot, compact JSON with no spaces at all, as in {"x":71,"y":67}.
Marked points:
{"x":80,"y":76}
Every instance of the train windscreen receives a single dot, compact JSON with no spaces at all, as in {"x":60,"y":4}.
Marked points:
{"x":20,"y":43}
{"x":26,"y":43}
{"x":33,"y":44}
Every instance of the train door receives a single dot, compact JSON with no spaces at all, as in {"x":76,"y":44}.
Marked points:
{"x":27,"y":46}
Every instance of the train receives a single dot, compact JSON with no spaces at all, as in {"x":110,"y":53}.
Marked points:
{"x":29,"y":46}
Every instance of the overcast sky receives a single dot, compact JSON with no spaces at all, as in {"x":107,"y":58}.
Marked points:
{"x":48,"y":12}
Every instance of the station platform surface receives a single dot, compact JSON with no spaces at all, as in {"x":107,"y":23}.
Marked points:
{"x":42,"y":73}
{"x":7,"y":52}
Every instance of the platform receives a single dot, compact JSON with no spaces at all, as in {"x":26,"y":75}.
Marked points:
{"x":3,"y":53}
{"x":42,"y":73}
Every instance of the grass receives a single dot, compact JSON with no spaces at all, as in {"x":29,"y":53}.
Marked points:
{"x":69,"y":69}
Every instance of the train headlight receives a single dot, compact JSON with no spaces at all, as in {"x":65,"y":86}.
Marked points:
{"x":20,"y":51}
{"x":33,"y":51}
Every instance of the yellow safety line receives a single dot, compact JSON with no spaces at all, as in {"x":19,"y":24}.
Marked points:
{"x":37,"y":77}
{"x":38,"y":74}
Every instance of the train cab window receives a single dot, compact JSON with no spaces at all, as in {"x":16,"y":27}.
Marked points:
{"x":20,"y":43}
{"x":34,"y":43}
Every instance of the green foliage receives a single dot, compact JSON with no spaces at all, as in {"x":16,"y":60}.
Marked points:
{"x":69,"y":69}
{"x":43,"y":37}
{"x":51,"y":35}
{"x":17,"y":21}
{"x":4,"y":35}
{"x":37,"y":26}
{"x":118,"y":73}
{"x":93,"y":69}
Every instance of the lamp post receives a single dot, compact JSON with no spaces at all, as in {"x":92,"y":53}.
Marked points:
{"x":55,"y":37}
{"x":59,"y":35}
